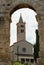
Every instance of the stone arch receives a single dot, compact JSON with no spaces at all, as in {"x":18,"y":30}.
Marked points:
{"x":38,"y":16}
{"x":22,"y":5}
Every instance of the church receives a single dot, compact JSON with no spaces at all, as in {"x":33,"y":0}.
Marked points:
{"x":22,"y":50}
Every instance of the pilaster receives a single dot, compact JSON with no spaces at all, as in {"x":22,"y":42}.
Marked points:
{"x":4,"y":38}
{"x":40,"y":19}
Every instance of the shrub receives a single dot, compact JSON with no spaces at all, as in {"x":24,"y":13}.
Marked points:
{"x":17,"y":63}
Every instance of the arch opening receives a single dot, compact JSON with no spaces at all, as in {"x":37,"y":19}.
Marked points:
{"x":26,"y":19}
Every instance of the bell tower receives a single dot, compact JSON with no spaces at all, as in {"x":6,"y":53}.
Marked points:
{"x":20,"y":29}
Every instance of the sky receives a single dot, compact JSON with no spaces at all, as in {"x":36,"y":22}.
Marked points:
{"x":28,"y":16}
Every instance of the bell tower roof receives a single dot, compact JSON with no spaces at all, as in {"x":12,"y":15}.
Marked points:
{"x":21,"y":20}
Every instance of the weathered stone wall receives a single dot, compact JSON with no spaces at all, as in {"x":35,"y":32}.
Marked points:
{"x":4,"y":39}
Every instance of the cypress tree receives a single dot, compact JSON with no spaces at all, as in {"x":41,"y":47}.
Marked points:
{"x":36,"y":47}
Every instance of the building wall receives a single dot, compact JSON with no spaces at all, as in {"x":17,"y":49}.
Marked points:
{"x":18,"y":49}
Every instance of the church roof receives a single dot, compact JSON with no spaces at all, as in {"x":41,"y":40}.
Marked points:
{"x":23,"y":41}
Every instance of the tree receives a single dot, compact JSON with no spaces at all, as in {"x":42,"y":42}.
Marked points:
{"x":36,"y":47}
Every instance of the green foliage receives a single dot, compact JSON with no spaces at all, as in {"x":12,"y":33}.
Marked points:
{"x":29,"y":63}
{"x":17,"y":63}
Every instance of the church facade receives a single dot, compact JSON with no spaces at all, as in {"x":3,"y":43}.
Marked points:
{"x":21,"y":50}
